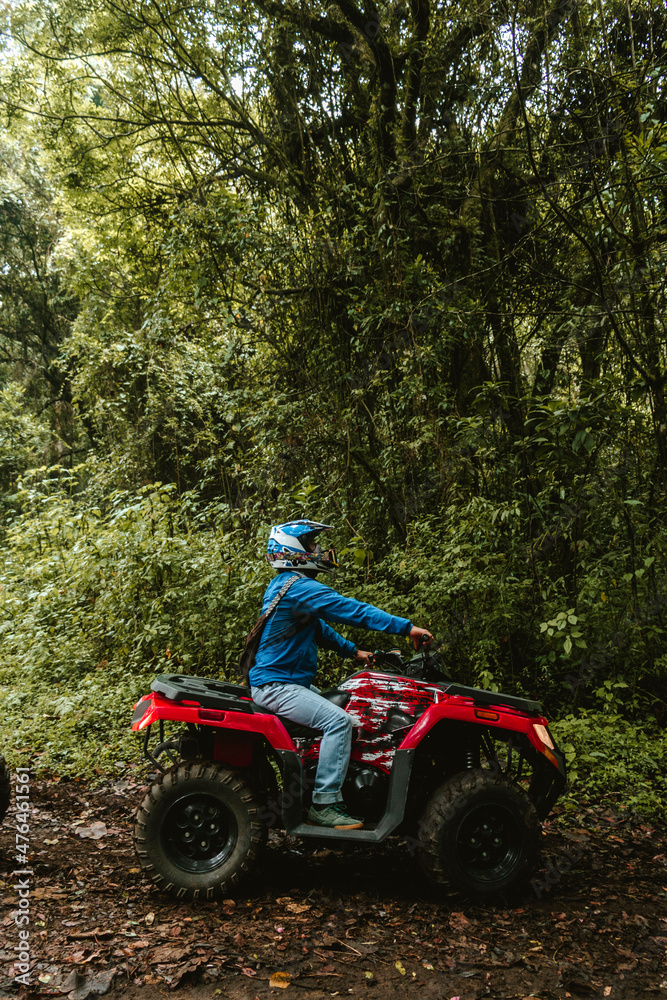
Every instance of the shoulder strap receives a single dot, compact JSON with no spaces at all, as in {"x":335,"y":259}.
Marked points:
{"x":253,"y":637}
{"x":281,"y":593}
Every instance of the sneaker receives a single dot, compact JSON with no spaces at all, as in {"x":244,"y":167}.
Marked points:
{"x":333,"y":814}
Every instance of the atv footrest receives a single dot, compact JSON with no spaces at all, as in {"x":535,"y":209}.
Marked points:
{"x":391,"y":819}
{"x":330,"y":833}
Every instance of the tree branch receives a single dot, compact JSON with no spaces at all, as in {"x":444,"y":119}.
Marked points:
{"x":527,"y":82}
{"x":421,"y":19}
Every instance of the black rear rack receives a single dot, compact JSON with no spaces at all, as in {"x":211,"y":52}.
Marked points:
{"x":486,"y":698}
{"x":207,"y":692}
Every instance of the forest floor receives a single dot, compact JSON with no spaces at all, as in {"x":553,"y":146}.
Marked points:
{"x":316,"y":922}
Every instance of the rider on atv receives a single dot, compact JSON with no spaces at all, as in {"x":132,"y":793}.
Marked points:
{"x":286,"y":661}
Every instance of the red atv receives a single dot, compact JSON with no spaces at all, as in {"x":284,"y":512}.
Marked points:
{"x":464,"y":774}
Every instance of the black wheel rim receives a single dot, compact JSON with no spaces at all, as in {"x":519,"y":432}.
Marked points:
{"x":199,"y":833}
{"x":490,"y":843}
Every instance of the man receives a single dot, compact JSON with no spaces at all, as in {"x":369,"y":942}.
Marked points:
{"x":286,"y":660}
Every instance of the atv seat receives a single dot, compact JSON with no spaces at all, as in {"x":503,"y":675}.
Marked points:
{"x":300,"y":732}
{"x":337,"y":696}
{"x":210,"y":693}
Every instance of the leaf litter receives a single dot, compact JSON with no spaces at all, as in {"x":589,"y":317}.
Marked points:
{"x":327,"y":922}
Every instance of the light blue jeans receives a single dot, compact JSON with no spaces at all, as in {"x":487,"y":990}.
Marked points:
{"x":307,"y":707}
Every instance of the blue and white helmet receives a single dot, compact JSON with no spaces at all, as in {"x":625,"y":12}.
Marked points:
{"x":293,"y":546}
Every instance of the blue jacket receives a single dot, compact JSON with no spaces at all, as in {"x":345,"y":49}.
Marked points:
{"x":288,"y":647}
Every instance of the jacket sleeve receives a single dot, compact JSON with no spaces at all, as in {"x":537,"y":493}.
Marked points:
{"x":333,"y":607}
{"x":326,"y":638}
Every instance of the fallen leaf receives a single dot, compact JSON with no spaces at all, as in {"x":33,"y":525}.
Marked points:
{"x":46,"y":892}
{"x":400,"y":967}
{"x":165,"y":953}
{"x":94,"y":831}
{"x":80,"y":987}
{"x":297,"y":907}
{"x":280,"y":980}
{"x":458,"y":921}
{"x":185,"y":970}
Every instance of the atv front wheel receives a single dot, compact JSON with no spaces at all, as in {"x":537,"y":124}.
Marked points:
{"x":4,"y":788}
{"x":481,"y":834}
{"x":197,"y":832}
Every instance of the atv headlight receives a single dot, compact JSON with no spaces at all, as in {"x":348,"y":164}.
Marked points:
{"x":542,"y":734}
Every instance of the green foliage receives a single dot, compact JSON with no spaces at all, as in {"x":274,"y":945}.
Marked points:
{"x":23,"y":438}
{"x":612,"y":760}
{"x":95,"y":600}
{"x":144,"y":579}
{"x":559,"y":627}
{"x":405,"y":274}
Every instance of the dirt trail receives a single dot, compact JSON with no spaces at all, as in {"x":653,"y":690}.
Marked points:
{"x":321,"y":922}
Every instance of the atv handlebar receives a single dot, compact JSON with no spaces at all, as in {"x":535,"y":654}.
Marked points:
{"x":425,"y":665}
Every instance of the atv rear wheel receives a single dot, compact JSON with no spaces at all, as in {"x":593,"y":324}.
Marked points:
{"x":197,"y":831}
{"x":4,"y":788}
{"x":480,"y":833}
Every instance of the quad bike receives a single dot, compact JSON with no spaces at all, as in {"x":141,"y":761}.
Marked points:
{"x":4,"y":788}
{"x":464,"y":775}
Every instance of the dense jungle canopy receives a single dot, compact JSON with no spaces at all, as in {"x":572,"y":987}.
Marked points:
{"x":397,"y":266}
